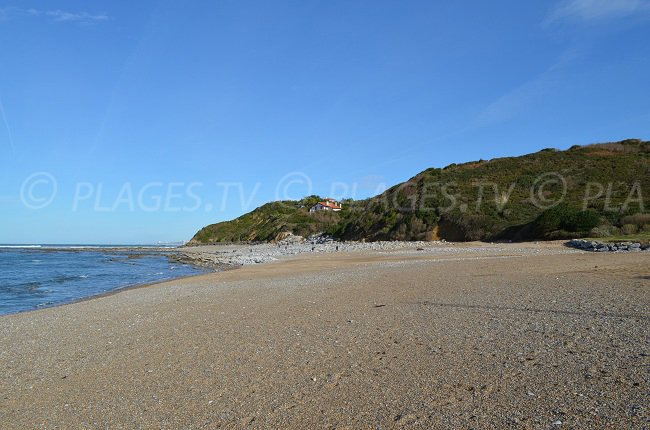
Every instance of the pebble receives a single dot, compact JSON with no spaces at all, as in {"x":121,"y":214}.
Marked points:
{"x":231,"y":255}
{"x":513,"y":420}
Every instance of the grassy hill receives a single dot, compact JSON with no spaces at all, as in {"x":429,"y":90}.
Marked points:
{"x":583,"y":191}
{"x":269,"y":221}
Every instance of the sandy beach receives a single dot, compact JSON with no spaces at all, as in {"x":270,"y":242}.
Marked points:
{"x":530,"y":336}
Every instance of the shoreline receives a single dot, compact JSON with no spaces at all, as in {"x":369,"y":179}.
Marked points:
{"x":217,"y":258}
{"x":212,"y":257}
{"x":172,"y":257}
{"x":198,"y":255}
{"x":479,"y":335}
{"x":104,"y":294}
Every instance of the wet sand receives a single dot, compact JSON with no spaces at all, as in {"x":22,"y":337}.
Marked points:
{"x":462,"y":336}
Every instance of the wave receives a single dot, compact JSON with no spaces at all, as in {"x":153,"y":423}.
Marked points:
{"x":30,"y":280}
{"x":23,"y":289}
{"x":60,"y":279}
{"x":91,"y":247}
{"x":20,"y":246}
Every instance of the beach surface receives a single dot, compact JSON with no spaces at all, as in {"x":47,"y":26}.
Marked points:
{"x":529,"y":336}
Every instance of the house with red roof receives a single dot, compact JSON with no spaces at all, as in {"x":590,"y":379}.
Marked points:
{"x":326,"y":205}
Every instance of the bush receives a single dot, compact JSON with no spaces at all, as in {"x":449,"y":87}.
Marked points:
{"x":582,"y":221}
{"x":566,"y":218}
{"x":601,"y":231}
{"x":550,"y":220}
{"x":628,"y":229}
{"x":638,"y":220}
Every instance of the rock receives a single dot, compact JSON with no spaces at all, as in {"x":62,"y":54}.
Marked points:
{"x":513,"y":420}
{"x":320,"y":239}
{"x":595,"y":246}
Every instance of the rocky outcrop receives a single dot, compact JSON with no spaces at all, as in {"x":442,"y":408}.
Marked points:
{"x":597,"y":246}
{"x":288,"y":238}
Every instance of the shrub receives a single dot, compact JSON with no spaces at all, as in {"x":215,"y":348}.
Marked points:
{"x":600,"y":231}
{"x":582,"y":221}
{"x":638,"y":220}
{"x":566,"y":218}
{"x":628,"y":229}
{"x":550,"y":219}
{"x":471,"y":226}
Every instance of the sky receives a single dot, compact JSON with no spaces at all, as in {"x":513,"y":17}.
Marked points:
{"x":141,"y":122}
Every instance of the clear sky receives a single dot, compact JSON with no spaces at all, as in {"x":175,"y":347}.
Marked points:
{"x":138,"y":122}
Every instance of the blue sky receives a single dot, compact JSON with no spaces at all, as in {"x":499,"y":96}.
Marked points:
{"x":138,"y":122}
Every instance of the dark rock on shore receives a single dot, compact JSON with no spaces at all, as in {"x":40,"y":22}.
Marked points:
{"x":597,"y":246}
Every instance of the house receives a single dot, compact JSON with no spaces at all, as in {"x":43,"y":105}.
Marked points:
{"x":326,"y":205}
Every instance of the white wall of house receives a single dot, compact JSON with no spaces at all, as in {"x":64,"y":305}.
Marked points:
{"x":320,"y":207}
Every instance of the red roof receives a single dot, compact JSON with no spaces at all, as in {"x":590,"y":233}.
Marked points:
{"x":330,"y":205}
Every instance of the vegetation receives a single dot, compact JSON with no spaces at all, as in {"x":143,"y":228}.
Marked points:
{"x":565,"y":221}
{"x":594,"y":190}
{"x":268,"y":221}
{"x":640,"y":238}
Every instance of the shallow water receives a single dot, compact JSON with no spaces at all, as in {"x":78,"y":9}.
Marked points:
{"x":33,"y":277}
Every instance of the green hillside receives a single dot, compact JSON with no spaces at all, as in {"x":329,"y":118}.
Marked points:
{"x":268,"y":221}
{"x":584,"y":191}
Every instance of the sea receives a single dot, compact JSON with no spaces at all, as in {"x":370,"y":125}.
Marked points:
{"x":39,"y":276}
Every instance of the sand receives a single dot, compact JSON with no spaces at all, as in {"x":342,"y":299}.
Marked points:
{"x":472,"y":336}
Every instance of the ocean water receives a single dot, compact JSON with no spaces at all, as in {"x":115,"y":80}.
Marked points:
{"x":41,"y":276}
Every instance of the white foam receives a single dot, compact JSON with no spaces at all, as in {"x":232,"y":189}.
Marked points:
{"x":20,"y":246}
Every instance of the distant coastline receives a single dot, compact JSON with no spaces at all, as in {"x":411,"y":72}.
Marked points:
{"x":87,"y":246}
